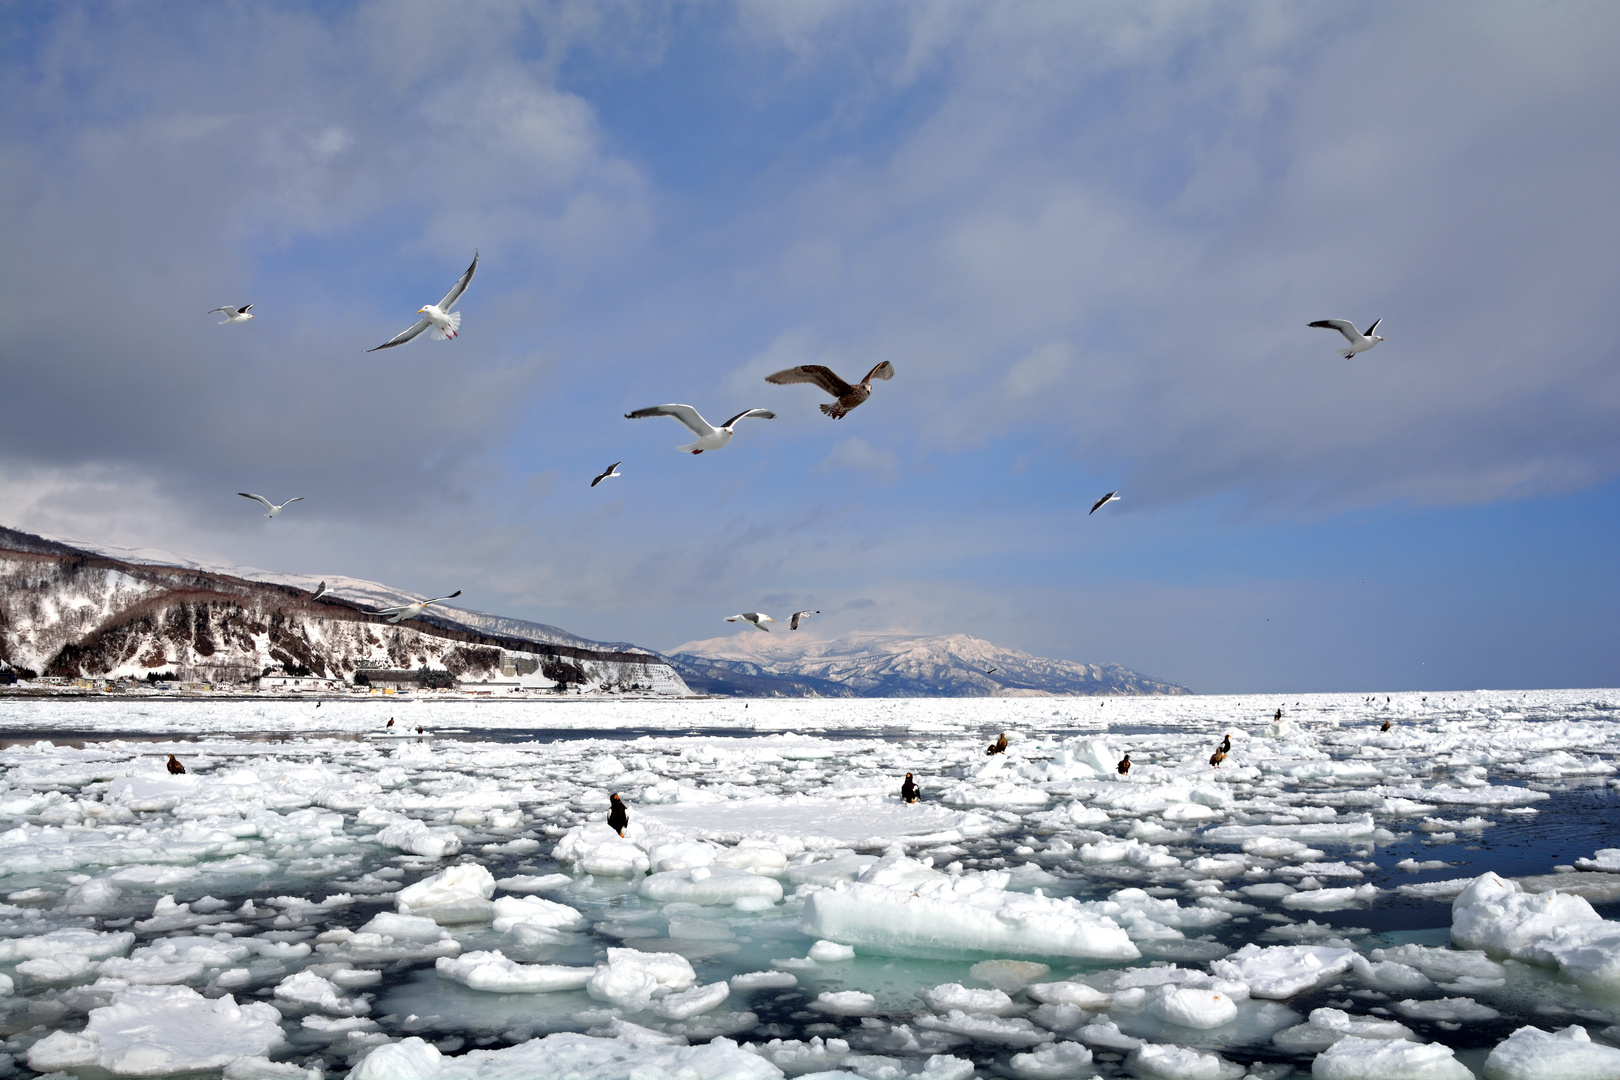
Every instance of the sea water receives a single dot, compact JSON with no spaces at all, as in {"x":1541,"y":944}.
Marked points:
{"x":310,"y":900}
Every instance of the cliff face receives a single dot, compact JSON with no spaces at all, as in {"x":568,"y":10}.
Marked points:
{"x":73,"y":613}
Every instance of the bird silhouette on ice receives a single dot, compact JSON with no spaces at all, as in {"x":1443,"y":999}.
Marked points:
{"x":909,"y":790}
{"x":608,"y":473}
{"x":175,"y":768}
{"x":234,"y":314}
{"x":848,"y":396}
{"x":402,"y":612}
{"x":272,"y":508}
{"x":444,"y":322}
{"x":756,"y":619}
{"x":618,"y":816}
{"x":999,"y":746}
{"x":709,"y":437}
{"x":1359,"y":342}
{"x":1124,"y":764}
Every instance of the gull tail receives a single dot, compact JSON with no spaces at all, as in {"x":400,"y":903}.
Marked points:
{"x":455,"y":327}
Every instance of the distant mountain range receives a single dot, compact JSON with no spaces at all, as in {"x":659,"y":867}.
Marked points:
{"x":893,"y":665}
{"x":70,"y":607}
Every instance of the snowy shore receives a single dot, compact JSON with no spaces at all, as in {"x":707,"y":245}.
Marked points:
{"x":308,"y":900}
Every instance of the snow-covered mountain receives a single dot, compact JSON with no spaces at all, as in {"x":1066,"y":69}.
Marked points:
{"x":69,"y":611}
{"x":367,"y":594}
{"x":896,"y":665}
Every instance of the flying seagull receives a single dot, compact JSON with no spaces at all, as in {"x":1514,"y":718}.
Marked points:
{"x":268,"y":505}
{"x":445,"y":323}
{"x":320,"y":591}
{"x":234,"y":314}
{"x":800,"y":616}
{"x":848,"y":396}
{"x":758,"y":618}
{"x":1112,"y":496}
{"x":608,"y":473}
{"x":1359,"y":342}
{"x":411,"y":611}
{"x":709,"y":437}
{"x":990,"y":671}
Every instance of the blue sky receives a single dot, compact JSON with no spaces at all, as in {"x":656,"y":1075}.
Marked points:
{"x":1088,"y":236}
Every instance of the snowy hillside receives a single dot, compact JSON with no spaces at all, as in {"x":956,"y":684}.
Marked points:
{"x":369,"y":594}
{"x":895,"y":665}
{"x":72,"y":613}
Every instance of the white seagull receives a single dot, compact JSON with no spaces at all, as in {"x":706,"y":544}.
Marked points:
{"x":1112,"y":496}
{"x":445,"y":323}
{"x":234,"y":314}
{"x":268,"y":505}
{"x":608,"y":473}
{"x":1359,"y":342}
{"x":709,"y":437}
{"x":411,"y":611}
{"x":758,"y":618}
{"x":800,"y":616}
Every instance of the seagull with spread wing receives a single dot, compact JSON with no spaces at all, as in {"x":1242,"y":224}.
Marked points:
{"x":799,"y":617}
{"x":1359,"y":342}
{"x":445,"y":323}
{"x":234,"y":314}
{"x":1112,"y":496}
{"x":273,"y":508}
{"x":608,"y":473}
{"x":411,"y":611}
{"x":848,"y":396}
{"x":757,"y":618}
{"x":709,"y":437}
{"x":320,"y":591}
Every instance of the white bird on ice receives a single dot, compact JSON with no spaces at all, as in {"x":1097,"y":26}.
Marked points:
{"x":709,"y":437}
{"x":234,"y":314}
{"x":800,"y":616}
{"x":445,"y":323}
{"x":411,"y":611}
{"x":758,"y":618}
{"x":608,"y":473}
{"x":1359,"y":342}
{"x":1112,"y":496}
{"x":268,"y":505}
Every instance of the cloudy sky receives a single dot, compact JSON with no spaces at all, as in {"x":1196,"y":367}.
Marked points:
{"x":1088,"y":237}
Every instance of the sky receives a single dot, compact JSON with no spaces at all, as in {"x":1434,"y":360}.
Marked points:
{"x":1089,"y":238}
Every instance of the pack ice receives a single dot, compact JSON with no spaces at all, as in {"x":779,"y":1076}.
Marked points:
{"x":305,"y":902}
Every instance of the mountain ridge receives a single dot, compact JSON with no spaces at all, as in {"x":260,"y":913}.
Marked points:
{"x":880,"y":664}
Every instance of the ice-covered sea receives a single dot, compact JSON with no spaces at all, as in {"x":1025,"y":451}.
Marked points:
{"x":1437,"y":900}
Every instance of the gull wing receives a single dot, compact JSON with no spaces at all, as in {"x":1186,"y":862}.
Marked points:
{"x":1100,"y":502}
{"x":244,"y":309}
{"x":763,"y":414}
{"x":260,"y":499}
{"x":884,"y":370}
{"x":823,"y":377}
{"x":684,"y":413}
{"x":226,"y":310}
{"x":607,"y":472}
{"x":1371,"y":328}
{"x":404,"y":336}
{"x":295,"y":498}
{"x":1343,"y":326}
{"x":436,"y":599}
{"x":459,"y":287}
{"x":320,"y":591}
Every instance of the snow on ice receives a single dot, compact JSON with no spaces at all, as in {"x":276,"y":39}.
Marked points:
{"x":307,"y":902}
